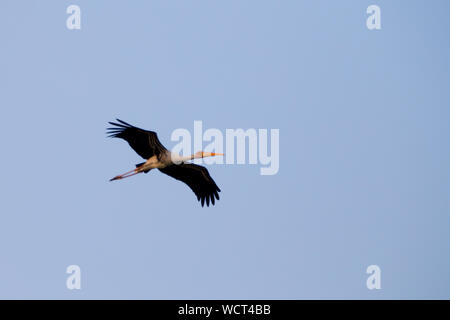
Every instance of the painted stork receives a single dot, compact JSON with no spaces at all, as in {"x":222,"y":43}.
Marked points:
{"x":147,"y":145}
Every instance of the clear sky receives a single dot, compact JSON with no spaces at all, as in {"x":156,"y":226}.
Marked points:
{"x":364,"y":172}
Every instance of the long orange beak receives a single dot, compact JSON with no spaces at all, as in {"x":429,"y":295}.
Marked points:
{"x":216,"y":154}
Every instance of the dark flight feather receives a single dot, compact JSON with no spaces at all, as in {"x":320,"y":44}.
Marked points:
{"x":197,"y":178}
{"x":145,"y":143}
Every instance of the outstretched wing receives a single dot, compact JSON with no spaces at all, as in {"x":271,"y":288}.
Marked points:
{"x":145,"y":143}
{"x":197,"y":178}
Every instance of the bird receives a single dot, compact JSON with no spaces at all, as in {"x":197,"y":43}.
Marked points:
{"x":146,"y":144}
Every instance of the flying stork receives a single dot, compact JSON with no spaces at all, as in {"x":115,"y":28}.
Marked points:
{"x":147,"y":145}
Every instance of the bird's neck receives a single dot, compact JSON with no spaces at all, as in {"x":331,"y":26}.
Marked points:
{"x":179,"y":158}
{"x":176,"y":158}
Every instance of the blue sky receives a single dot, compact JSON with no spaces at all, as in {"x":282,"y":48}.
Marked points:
{"x":363,"y":118}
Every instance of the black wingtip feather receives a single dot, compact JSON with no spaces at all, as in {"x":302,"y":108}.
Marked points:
{"x":144,"y":142}
{"x":123,"y":122}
